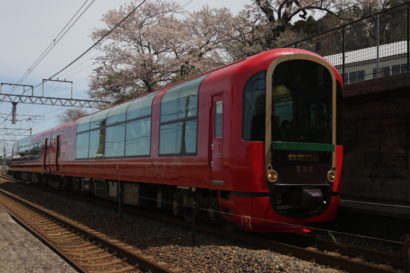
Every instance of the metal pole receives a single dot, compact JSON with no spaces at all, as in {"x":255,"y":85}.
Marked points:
{"x":408,"y":36}
{"x":193,"y":223}
{"x":343,"y":54}
{"x":42,"y":88}
{"x":378,"y":45}
{"x":14,"y":113}
{"x":4,"y":159}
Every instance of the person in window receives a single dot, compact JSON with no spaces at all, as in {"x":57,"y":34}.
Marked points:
{"x":282,"y":102}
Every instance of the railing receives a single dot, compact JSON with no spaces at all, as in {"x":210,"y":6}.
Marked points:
{"x":371,"y":47}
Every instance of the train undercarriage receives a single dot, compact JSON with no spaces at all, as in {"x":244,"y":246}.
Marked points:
{"x":177,"y":200}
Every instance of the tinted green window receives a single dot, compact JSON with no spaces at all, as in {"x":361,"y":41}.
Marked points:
{"x":301,"y":104}
{"x":138,"y":137}
{"x":170,"y":138}
{"x":179,"y":112}
{"x":35,"y":151}
{"x":254,"y":108}
{"x":97,"y":143}
{"x":140,"y":107}
{"x":175,"y":108}
{"x":302,"y":97}
{"x":98,"y":119}
{"x":117,"y":114}
{"x":178,"y":137}
{"x":84,"y":124}
{"x":24,"y":151}
{"x":114,"y":144}
{"x":83,"y":127}
{"x":190,"y":137}
{"x":218,"y":118}
{"x":81,"y":150}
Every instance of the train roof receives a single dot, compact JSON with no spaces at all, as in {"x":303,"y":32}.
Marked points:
{"x":261,"y":60}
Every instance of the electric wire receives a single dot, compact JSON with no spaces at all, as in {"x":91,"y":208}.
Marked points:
{"x":99,"y":40}
{"x":73,"y":20}
{"x":65,"y":30}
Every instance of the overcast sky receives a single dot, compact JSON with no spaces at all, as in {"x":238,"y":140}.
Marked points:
{"x":28,"y":27}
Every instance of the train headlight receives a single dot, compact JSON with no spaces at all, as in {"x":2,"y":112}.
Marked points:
{"x":331,"y":176}
{"x":271,"y":174}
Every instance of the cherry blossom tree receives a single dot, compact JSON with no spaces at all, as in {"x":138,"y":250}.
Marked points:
{"x":158,"y":44}
{"x":72,"y":115}
{"x":139,"y":56}
{"x":161,"y":43}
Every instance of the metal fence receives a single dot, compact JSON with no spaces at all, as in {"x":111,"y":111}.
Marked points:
{"x":371,"y":47}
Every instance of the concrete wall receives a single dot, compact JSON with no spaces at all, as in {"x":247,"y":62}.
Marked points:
{"x":377,"y":139}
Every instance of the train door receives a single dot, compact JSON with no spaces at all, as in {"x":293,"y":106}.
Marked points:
{"x":216,"y":140}
{"x":54,"y":153}
{"x":57,"y":152}
{"x":45,"y":158}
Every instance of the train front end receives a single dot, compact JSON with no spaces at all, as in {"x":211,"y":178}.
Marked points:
{"x":292,"y":110}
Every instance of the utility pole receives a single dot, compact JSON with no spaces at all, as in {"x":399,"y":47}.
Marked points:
{"x":4,"y":163}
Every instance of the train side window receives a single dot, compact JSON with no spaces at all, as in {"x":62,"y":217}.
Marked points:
{"x":179,"y":119}
{"x":140,"y":107}
{"x":117,"y":114}
{"x":97,"y":119}
{"x":97,"y":141}
{"x":81,"y":150}
{"x":253,"y":128}
{"x":82,"y":138}
{"x":84,"y":124}
{"x":218,"y":118}
{"x":138,"y":137}
{"x":138,"y":128}
{"x":115,"y":140}
{"x":171,"y":138}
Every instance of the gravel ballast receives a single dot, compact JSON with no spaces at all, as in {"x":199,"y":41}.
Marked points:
{"x":22,"y":252}
{"x":171,"y":244}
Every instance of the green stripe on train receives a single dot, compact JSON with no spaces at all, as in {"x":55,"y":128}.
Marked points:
{"x":301,"y":146}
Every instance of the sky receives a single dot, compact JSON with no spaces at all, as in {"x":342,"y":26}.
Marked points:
{"x":28,"y":27}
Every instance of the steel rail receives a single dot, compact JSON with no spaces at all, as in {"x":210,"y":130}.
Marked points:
{"x":43,"y":239}
{"x":132,"y":256}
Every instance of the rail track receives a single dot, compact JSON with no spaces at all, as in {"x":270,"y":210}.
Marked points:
{"x":329,"y":253}
{"x":83,"y":248}
{"x":349,"y":258}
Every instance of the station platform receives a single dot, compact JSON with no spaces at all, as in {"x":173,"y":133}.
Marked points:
{"x":22,"y":252}
{"x":395,"y":210}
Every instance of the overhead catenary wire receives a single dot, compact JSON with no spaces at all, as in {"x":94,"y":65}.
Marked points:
{"x":102,"y":38}
{"x":95,"y":44}
{"x":99,"y":40}
{"x":73,"y":20}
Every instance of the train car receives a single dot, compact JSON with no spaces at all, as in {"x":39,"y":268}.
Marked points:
{"x":256,"y":142}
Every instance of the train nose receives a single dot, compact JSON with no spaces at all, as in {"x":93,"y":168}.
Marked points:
{"x":312,"y":198}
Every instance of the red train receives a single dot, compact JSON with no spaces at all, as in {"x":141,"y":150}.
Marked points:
{"x":257,"y":141}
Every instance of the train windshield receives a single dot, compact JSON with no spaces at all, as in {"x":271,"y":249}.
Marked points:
{"x":301,"y":104}
{"x":302,"y":96}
